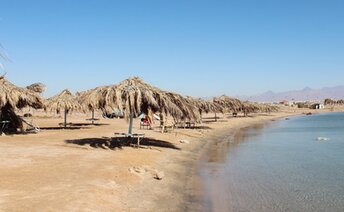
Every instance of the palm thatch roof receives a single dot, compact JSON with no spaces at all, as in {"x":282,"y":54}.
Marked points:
{"x":206,"y":106}
{"x":16,"y":97}
{"x":36,"y":87}
{"x":13,"y":97}
{"x":133,"y":96}
{"x":63,"y":101}
{"x":138,"y":96}
{"x":231,"y":104}
{"x":268,"y":108}
{"x":99,"y":98}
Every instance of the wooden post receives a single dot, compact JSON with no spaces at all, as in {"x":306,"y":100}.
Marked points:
{"x":215,"y":117}
{"x":93,"y":116}
{"x":131,"y":117}
{"x":65,"y":118}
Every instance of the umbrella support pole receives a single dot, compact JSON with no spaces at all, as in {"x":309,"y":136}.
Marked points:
{"x":65,"y":119}
{"x":93,"y":117}
{"x":130,"y":130}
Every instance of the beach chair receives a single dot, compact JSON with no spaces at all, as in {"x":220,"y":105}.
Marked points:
{"x":145,"y":124}
{"x":32,"y":126}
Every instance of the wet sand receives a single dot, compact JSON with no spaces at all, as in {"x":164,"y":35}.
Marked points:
{"x":83,"y":170}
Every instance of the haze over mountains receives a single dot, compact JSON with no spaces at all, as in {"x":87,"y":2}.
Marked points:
{"x":306,"y":94}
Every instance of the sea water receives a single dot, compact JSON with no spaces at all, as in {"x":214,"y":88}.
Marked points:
{"x":288,"y":165}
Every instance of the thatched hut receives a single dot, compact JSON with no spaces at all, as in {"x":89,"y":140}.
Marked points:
{"x":13,"y":97}
{"x":65,"y":101}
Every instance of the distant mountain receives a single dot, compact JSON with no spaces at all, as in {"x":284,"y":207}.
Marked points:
{"x":306,"y":94}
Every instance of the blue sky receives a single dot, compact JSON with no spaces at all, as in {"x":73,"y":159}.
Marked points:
{"x":199,"y":48}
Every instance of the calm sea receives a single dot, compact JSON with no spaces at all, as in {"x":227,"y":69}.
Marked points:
{"x":289,"y":165}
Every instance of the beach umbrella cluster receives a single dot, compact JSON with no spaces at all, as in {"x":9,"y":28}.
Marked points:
{"x":132,"y":97}
{"x":13,"y":97}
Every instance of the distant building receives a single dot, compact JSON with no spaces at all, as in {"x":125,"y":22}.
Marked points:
{"x":285,"y":103}
{"x":318,"y":106}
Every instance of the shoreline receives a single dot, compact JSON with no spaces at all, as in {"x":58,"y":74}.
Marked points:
{"x":190,"y":186}
{"x":194,"y":196}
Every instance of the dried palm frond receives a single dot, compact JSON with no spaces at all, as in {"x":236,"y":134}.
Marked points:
{"x":17,"y":97}
{"x":36,"y":87}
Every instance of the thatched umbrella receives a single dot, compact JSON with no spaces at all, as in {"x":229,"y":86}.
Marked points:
{"x":267,"y":108}
{"x":96,"y":98}
{"x":231,"y":104}
{"x":13,"y":97}
{"x":207,"y":106}
{"x":134,"y":96}
{"x":64,"y":101}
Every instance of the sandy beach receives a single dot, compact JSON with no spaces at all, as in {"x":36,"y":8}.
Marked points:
{"x":83,"y":170}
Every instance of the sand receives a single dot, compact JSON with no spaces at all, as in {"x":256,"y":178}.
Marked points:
{"x":81,"y":170}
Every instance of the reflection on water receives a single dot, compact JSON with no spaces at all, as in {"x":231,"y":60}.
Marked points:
{"x":281,"y":167}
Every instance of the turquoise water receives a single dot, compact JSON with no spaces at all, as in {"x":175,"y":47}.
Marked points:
{"x":281,"y":166}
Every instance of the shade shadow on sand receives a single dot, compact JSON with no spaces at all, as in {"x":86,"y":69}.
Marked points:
{"x":195,"y":128}
{"x":88,"y":124}
{"x":63,"y":128}
{"x":213,"y":120}
{"x":118,"y":142}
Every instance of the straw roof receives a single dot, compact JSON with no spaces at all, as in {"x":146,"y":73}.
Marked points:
{"x":231,"y":104}
{"x":16,"y":97}
{"x":268,"y":108}
{"x":138,"y":96}
{"x":96,"y":98}
{"x":206,"y":106}
{"x":36,"y":87}
{"x":133,"y":95}
{"x":65,"y":101}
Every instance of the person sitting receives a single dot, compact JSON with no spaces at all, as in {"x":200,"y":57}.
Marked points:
{"x":145,"y":121}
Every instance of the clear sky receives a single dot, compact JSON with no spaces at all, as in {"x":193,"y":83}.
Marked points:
{"x":199,"y":48}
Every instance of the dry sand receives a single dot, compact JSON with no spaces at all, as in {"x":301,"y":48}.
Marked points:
{"x":81,"y":170}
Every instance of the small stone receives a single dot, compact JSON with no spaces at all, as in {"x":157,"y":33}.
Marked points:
{"x":159,"y":175}
{"x":184,"y":141}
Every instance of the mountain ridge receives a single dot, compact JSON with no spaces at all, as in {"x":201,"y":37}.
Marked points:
{"x":305,"y":94}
